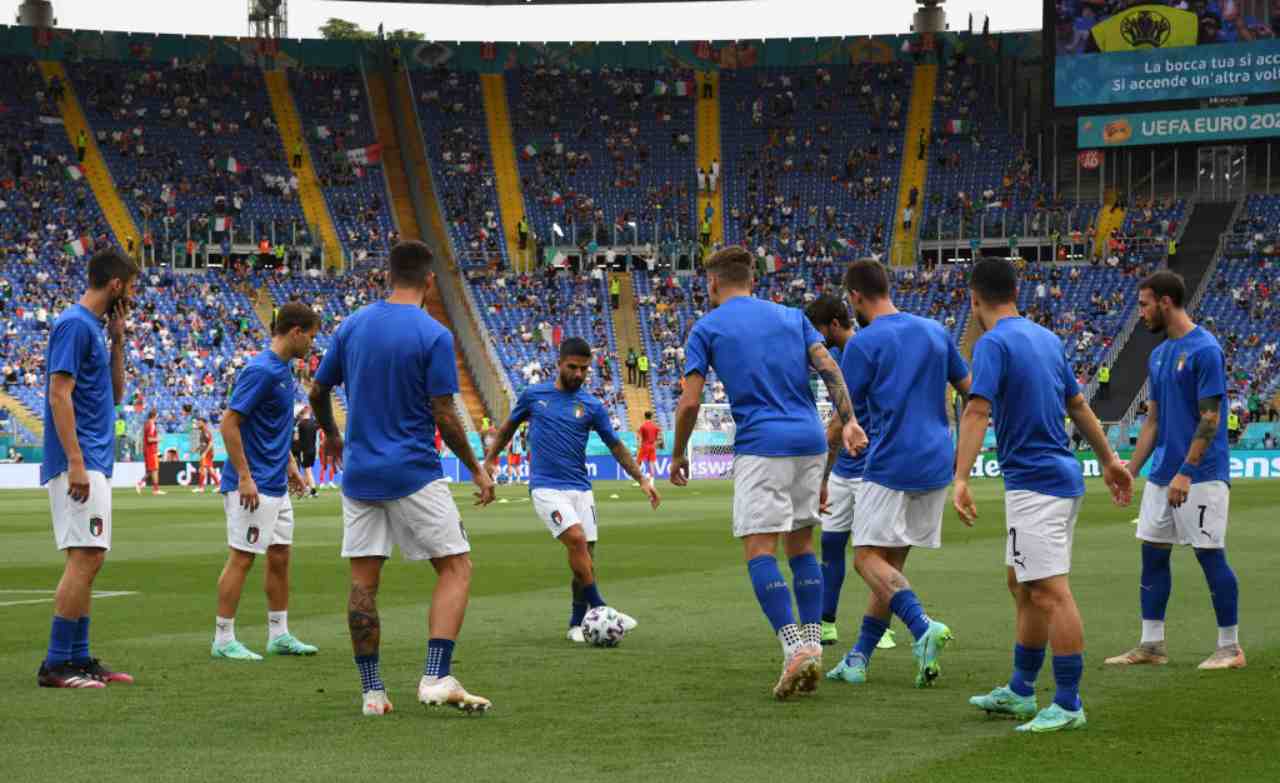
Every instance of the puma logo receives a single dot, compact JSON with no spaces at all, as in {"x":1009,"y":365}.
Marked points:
{"x":1020,"y":563}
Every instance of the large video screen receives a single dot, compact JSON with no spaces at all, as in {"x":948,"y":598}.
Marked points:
{"x":1130,"y":51}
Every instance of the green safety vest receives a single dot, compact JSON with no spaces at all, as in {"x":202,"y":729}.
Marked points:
{"x":643,"y":363}
{"x":614,"y":286}
{"x":1104,"y":375}
{"x":484,"y":423}
{"x":1233,"y":421}
{"x":120,"y":428}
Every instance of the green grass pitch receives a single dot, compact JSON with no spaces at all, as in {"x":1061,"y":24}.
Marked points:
{"x":685,"y":697}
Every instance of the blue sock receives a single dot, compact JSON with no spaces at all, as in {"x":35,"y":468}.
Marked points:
{"x":1157,"y":581}
{"x":579,"y":612}
{"x":439,"y":657}
{"x":592,"y":593}
{"x":872,"y":629}
{"x":1067,"y":670}
{"x":370,"y":679}
{"x":80,"y":645}
{"x":908,"y":609}
{"x":833,"y":570}
{"x":771,"y":591}
{"x":1223,"y":587}
{"x":806,"y":575}
{"x":1026,"y":666}
{"x":62,"y":640}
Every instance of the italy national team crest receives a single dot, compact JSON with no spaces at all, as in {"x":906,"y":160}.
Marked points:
{"x":1182,"y":361}
{"x":252,"y":535}
{"x":95,"y":526}
{"x":578,"y":411}
{"x":557,"y":518}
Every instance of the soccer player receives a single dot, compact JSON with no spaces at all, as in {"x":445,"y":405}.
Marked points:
{"x":561,"y":416}
{"x":519,"y":444}
{"x":327,"y":472}
{"x":397,"y":365}
{"x":304,"y":453}
{"x":900,"y":364}
{"x":85,"y":382}
{"x":256,"y":481}
{"x":1021,"y":374}
{"x":1187,"y":493}
{"x":204,"y":434}
{"x":650,"y":442}
{"x":843,"y":476}
{"x":762,"y":353}
{"x":151,"y":455}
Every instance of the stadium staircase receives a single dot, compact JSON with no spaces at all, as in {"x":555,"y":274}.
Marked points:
{"x":1109,"y":219}
{"x":707,"y":122}
{"x":1195,"y":256}
{"x":310,"y":194}
{"x":25,"y":417}
{"x":502,"y":146}
{"x":95,"y":168}
{"x":914,"y":168}
{"x":626,"y":330}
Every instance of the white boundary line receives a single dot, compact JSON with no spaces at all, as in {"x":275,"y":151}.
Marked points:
{"x":48,"y":595}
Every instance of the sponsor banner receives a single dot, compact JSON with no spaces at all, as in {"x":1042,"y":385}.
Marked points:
{"x":26,"y":475}
{"x":1244,"y":465}
{"x":1178,"y":127}
{"x":1167,"y":74}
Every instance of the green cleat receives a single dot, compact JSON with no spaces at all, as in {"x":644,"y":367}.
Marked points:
{"x":852,"y":669}
{"x":1003,"y":701}
{"x":235,"y":651}
{"x":887,"y":642}
{"x":927,"y":649}
{"x":1054,"y":718}
{"x":288,"y":644}
{"x":830,"y":635}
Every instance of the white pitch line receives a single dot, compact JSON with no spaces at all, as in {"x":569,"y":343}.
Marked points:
{"x":50,"y":593}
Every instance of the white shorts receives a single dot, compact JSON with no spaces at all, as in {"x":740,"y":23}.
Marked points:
{"x":776,"y":494}
{"x":1201,"y":521}
{"x":561,"y":509}
{"x":1040,"y":531}
{"x":842,"y":498}
{"x":85,"y":524}
{"x":894,"y":518}
{"x":254,"y":531}
{"x":426,"y":525}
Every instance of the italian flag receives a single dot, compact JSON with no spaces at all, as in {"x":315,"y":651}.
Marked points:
{"x":222,"y":224}
{"x":956,"y":127}
{"x":232,"y":165}
{"x":322,"y":132}
{"x":529,"y":151}
{"x":364,"y":156}
{"x":75,"y":172}
{"x":79,"y":247}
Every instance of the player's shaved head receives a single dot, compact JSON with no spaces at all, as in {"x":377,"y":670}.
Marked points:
{"x":731,"y":266}
{"x":576,"y":347}
{"x":995,"y":281}
{"x":827,"y":308}
{"x":867,"y":277}
{"x":409,"y":264}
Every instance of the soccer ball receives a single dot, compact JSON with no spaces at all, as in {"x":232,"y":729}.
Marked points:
{"x":602,"y":627}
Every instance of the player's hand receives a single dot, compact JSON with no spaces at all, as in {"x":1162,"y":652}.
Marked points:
{"x":963,"y":501}
{"x":491,"y":466}
{"x":855,"y":440}
{"x":1178,"y":490}
{"x":331,"y":451}
{"x":249,"y":499}
{"x":824,"y":499}
{"x":680,"y":471}
{"x":486,"y":487}
{"x":1119,"y":481}
{"x":297,"y":486}
{"x":78,"y":482}
{"x":115,"y":324}
{"x":651,"y":492}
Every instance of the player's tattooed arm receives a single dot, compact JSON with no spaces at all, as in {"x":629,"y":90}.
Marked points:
{"x":321,"y":401}
{"x":362,"y":620}
{"x":830,"y":373}
{"x":835,"y":439}
{"x":452,"y":432}
{"x":1206,"y":430}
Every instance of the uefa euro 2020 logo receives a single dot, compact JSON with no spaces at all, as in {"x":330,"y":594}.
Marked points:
{"x":1146,"y":28}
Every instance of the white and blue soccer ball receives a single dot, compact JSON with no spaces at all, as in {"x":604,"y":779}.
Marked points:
{"x":603,"y":627}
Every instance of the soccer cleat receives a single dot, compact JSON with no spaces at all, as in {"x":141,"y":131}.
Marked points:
{"x":1054,"y":718}
{"x":1229,"y":657}
{"x":830,"y":634}
{"x":66,"y":675}
{"x":799,"y":672}
{"x":101,"y":673}
{"x":1003,"y":701}
{"x":158,"y":492}
{"x":927,"y":649}
{"x":887,"y":642}
{"x":852,"y":669}
{"x":288,"y":644}
{"x":234,"y":650}
{"x":575,"y":635}
{"x":439,"y":691}
{"x":197,"y":490}
{"x":1147,"y":652}
{"x":376,"y":703}
{"x":137,"y":488}
{"x":628,"y":622}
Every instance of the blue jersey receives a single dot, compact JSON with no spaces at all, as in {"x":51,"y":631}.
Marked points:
{"x":900,"y":365}
{"x":559,"y":424}
{"x":760,"y":351}
{"x":1020,"y":368}
{"x":847,"y":465}
{"x":263,"y":396}
{"x":392,"y":359}
{"x":1182,"y":373}
{"x":78,"y":347}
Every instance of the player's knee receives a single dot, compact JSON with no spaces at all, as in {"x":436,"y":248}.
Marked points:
{"x":1047,"y":596}
{"x":456,"y":568}
{"x":278,"y":557}
{"x":86,"y":561}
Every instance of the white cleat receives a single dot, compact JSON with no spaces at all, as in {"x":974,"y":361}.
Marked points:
{"x":376,"y":703}
{"x":575,"y":635}
{"x":438,"y":691}
{"x":800,"y":673}
{"x":628,"y":622}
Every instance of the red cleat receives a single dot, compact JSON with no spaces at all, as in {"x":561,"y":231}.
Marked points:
{"x":66,"y":675}
{"x":102,"y":674}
